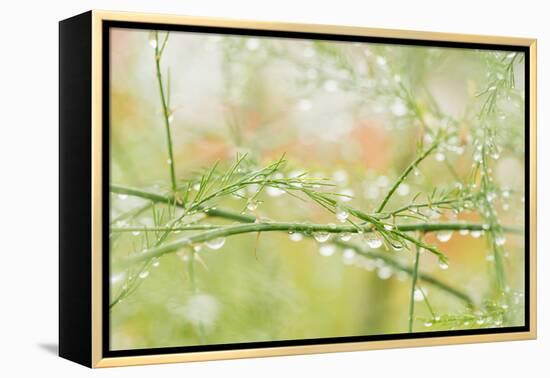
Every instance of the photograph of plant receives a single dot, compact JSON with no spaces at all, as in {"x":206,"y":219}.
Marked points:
{"x":274,"y":189}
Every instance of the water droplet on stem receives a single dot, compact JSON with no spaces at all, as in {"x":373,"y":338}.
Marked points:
{"x":215,"y":243}
{"x":444,"y":236}
{"x":321,"y":236}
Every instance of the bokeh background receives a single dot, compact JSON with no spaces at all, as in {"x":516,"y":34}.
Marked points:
{"x":336,"y":110}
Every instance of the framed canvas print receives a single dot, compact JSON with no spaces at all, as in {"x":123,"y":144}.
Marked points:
{"x":235,"y":189}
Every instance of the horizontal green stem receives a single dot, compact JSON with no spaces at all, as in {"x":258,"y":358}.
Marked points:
{"x":244,"y":218}
{"x":308,"y":227}
{"x":305,"y":228}
{"x":250,"y":226}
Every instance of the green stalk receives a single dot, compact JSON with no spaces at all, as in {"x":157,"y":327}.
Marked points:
{"x":404,"y":175}
{"x":250,"y":226}
{"x":302,"y":227}
{"x":413,"y":288}
{"x":165,"y":112}
{"x":261,"y":227}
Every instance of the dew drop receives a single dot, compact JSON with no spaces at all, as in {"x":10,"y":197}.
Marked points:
{"x":252,"y":205}
{"x":398,"y":247}
{"x":115,"y":278}
{"x":327,"y":250}
{"x":403,"y":190}
{"x":428,"y":324}
{"x":500,"y":240}
{"x":252,"y":44}
{"x":439,"y":156}
{"x":295,"y":236}
{"x":480,"y":321}
{"x":183,"y":255}
{"x":384,"y":272}
{"x":340,"y":176}
{"x":475,"y":233}
{"x":152,"y":40}
{"x":215,"y":243}
{"x":346,"y":195}
{"x":443,"y":264}
{"x":122,"y":197}
{"x":464,"y":232}
{"x":135,"y":233}
{"x":444,"y":236}
{"x":156,"y":263}
{"x":373,"y":241}
{"x":321,"y":237}
{"x":345,"y":236}
{"x":418,"y":295}
{"x":341,"y":214}
{"x":171,"y":118}
{"x":144,"y":274}
{"x":348,"y":255}
{"x":169,"y":161}
{"x":398,"y":108}
{"x":197,"y":247}
{"x":478,"y":157}
{"x":274,"y":192}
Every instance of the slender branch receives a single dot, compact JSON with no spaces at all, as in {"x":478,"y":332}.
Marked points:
{"x":165,"y":111}
{"x":302,"y":227}
{"x":190,"y":227}
{"x":413,"y":288}
{"x":250,"y":226}
{"x":404,"y":175}
{"x":266,"y":227}
{"x":435,"y":204}
{"x":244,"y":218}
{"x":305,"y":228}
{"x":220,"y":213}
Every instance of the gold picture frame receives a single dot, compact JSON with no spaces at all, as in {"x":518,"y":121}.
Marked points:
{"x":82,"y":265}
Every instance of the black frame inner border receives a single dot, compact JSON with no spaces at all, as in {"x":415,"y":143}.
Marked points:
{"x":107,"y":25}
